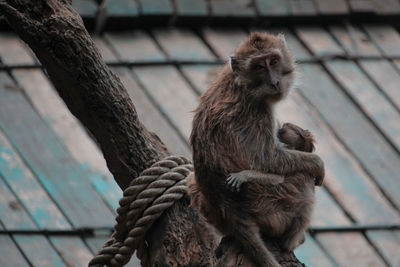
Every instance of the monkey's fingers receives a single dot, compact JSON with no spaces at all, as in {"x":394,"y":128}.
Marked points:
{"x":233,"y":183}
{"x":319,"y":181}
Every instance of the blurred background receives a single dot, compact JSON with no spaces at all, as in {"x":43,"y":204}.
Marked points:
{"x":57,"y":197}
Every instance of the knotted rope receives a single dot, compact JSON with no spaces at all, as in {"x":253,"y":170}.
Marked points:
{"x":143,"y":202}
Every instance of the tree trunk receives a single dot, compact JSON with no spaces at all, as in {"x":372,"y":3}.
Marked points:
{"x":56,"y":34}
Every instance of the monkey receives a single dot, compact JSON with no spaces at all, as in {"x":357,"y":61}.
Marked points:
{"x":245,"y":183}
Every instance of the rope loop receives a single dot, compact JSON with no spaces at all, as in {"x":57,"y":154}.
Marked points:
{"x":143,"y":202}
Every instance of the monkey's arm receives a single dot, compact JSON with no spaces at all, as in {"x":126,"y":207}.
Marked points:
{"x":286,"y":162}
{"x":235,"y":180}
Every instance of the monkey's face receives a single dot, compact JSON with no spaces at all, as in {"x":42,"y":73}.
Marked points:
{"x":263,"y":67}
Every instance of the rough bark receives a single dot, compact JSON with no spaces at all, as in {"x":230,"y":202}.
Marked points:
{"x":56,"y":34}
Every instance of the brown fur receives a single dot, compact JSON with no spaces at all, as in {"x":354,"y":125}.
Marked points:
{"x":233,"y":135}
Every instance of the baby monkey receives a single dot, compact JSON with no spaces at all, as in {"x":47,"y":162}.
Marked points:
{"x":247,"y":184}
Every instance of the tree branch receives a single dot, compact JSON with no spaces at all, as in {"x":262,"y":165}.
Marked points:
{"x":56,"y":34}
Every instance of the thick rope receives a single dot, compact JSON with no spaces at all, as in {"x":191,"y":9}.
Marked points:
{"x":143,"y":202}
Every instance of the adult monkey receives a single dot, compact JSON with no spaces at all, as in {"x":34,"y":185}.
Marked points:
{"x":246,"y":184}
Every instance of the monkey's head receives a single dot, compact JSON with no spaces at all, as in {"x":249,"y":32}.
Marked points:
{"x":263,"y":67}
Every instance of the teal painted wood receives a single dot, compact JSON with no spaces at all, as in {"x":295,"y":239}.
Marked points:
{"x":350,"y":249}
{"x":39,"y":251}
{"x":329,"y":7}
{"x":122,"y":8}
{"x":60,"y":175}
{"x":388,"y":243}
{"x":295,"y":46}
{"x":13,"y":50}
{"x":312,"y":255}
{"x":347,"y":181}
{"x":319,"y":41}
{"x":201,"y":76}
{"x":354,"y":41}
{"x":224,"y":42}
{"x":326,"y":211}
{"x":85,"y":8}
{"x":362,"y":6}
{"x":82,"y":148}
{"x":171,"y":93}
{"x":191,"y":7}
{"x":12,"y":213}
{"x":156,"y":7}
{"x":236,"y":8}
{"x":72,"y":250}
{"x":386,"y":7}
{"x":385,"y":37}
{"x":302,"y":7}
{"x":32,"y":195}
{"x":96,"y":243}
{"x":151,"y":117}
{"x":135,"y":46}
{"x":386,"y":76}
{"x":10,"y":254}
{"x":105,"y":50}
{"x":370,"y":99}
{"x":182,"y":44}
{"x":273,"y":7}
{"x":353,"y":129}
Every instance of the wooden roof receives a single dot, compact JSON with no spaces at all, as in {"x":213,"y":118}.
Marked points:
{"x":53,"y":176}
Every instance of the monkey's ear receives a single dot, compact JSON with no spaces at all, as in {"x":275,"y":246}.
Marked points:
{"x":281,"y":36}
{"x":234,"y":64}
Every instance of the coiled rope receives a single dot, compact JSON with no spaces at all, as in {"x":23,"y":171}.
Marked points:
{"x":143,"y":202}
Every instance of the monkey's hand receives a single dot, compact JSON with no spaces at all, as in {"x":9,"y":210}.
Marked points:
{"x":319,"y":179}
{"x":296,"y":137}
{"x":235,"y":180}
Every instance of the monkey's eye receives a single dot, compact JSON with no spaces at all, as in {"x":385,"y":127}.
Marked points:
{"x":273,"y":61}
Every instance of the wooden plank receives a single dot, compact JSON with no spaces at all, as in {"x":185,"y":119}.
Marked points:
{"x":32,"y":195}
{"x":191,"y":8}
{"x":11,"y":255}
{"x":319,"y":41}
{"x":12,"y":212}
{"x":295,"y":46}
{"x":361,"y":6}
{"x":85,"y":8}
{"x":386,"y":76}
{"x":105,"y":50}
{"x":329,"y":7}
{"x":39,"y":251}
{"x":150,"y":116}
{"x":302,"y":7}
{"x":312,"y":255}
{"x":134,"y":46}
{"x":388,"y":243}
{"x":346,"y":179}
{"x":354,"y":41}
{"x":182,"y":44}
{"x":172,"y":94}
{"x":385,"y":37}
{"x":386,"y":7}
{"x":122,"y":8}
{"x":13,"y":50}
{"x":72,"y":250}
{"x":224,"y":41}
{"x":273,"y":7}
{"x":378,"y":158}
{"x":234,"y":8}
{"x":201,"y":76}
{"x":156,"y":7}
{"x":83,"y":149}
{"x":350,"y":249}
{"x":60,"y":175}
{"x":326,"y":211}
{"x":371,"y":101}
